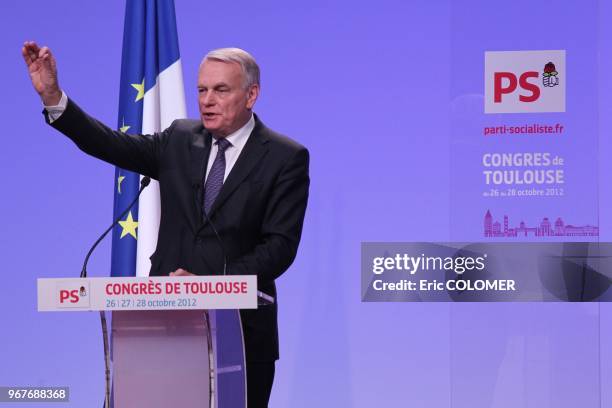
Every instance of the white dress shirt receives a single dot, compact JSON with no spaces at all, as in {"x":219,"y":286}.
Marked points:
{"x":238,"y":139}
{"x":56,"y":111}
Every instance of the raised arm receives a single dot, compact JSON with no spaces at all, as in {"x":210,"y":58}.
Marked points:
{"x":138,"y":153}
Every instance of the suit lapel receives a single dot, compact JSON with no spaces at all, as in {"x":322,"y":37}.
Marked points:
{"x":200,"y":151}
{"x":254,"y":150}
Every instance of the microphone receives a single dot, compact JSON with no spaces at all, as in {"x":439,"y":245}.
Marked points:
{"x":198,"y":187}
{"x":107,"y":378}
{"x":143,"y":183}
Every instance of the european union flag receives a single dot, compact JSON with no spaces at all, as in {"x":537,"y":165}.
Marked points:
{"x":150,"y":67}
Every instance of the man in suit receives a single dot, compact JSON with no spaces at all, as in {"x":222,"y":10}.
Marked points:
{"x":224,"y":174}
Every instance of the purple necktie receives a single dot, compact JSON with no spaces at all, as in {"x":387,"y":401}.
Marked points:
{"x":214,"y":181}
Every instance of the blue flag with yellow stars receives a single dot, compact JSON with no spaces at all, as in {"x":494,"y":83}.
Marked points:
{"x":150,"y":67}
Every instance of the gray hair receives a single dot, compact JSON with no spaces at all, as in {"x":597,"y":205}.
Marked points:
{"x":250,"y":69}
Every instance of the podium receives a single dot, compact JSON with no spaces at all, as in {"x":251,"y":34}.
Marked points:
{"x":175,"y":341}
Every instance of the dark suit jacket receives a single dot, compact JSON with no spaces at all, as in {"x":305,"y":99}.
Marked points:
{"x":258,"y":213}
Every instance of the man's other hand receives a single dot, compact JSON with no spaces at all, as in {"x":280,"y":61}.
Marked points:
{"x":181,"y":272}
{"x":43,"y":72}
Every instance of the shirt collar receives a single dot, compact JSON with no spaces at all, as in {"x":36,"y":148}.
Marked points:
{"x":239,"y":138}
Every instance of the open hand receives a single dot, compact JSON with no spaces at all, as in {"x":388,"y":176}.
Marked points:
{"x":43,"y":72}
{"x":181,"y":272}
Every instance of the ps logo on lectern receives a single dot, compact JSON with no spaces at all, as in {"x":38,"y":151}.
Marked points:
{"x":525,"y":81}
{"x":73,"y":294}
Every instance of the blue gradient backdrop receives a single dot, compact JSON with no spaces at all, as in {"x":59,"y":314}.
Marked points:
{"x":366,"y":86}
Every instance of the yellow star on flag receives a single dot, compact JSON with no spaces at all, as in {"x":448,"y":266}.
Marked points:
{"x":129,"y":226}
{"x":140,"y":88}
{"x":119,"y":181}
{"x":124,"y":127}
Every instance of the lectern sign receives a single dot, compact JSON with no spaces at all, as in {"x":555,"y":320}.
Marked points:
{"x":155,"y":293}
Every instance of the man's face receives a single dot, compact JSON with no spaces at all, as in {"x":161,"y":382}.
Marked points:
{"x":225,"y":104}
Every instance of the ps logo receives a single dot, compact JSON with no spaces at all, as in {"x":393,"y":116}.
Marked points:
{"x":505,"y":83}
{"x":72,"y":294}
{"x":524,"y":81}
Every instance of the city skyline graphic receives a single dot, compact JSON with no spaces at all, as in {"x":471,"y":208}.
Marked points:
{"x":494,"y":229}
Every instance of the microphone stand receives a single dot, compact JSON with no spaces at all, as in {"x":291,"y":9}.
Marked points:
{"x":107,"y":375}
